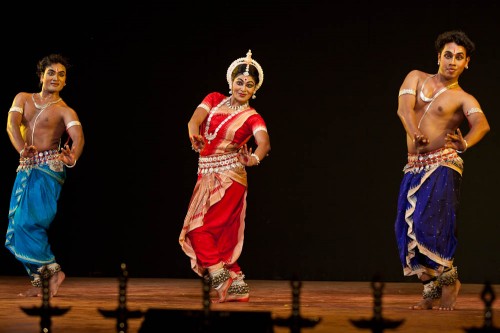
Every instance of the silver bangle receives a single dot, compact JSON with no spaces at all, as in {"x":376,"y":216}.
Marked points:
{"x":21,"y":153}
{"x":256,"y":158}
{"x":70,"y":166}
{"x":466,"y":146}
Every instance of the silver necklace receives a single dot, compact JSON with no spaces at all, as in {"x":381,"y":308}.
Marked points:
{"x":38,"y":106}
{"x":213,"y":135}
{"x":42,"y":108}
{"x":442,"y":90}
{"x":235,"y":108}
{"x":427,"y":99}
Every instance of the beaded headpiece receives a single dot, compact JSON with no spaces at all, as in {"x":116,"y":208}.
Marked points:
{"x":248,"y":61}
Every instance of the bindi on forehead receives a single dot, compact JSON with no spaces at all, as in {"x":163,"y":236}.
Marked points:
{"x":245,"y":78}
{"x":455,"y":49}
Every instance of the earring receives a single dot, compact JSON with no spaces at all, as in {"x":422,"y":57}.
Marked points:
{"x":438,"y":62}
{"x":466,"y":66}
{"x":230,"y":92}
{"x":254,"y":96}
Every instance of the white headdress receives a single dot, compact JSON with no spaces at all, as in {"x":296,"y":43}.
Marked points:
{"x":248,"y":61}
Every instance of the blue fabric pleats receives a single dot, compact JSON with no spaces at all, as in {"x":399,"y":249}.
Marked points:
{"x":33,"y":207}
{"x":426,"y":223}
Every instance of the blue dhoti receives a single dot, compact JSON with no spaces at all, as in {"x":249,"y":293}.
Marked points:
{"x":428,"y":202}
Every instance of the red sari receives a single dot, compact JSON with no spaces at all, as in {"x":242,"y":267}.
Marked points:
{"x":214,"y":225}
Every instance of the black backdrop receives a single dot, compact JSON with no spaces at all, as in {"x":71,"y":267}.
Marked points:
{"x":323,"y":204}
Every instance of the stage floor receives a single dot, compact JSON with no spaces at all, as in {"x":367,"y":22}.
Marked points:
{"x":335,"y":304}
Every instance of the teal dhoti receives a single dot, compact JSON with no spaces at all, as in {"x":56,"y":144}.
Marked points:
{"x":33,"y":206}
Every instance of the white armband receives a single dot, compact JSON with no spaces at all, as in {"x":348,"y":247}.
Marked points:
{"x":204,"y":106}
{"x":17,"y":109}
{"x":73,"y":123}
{"x":259,"y":128}
{"x":407,"y":92}
{"x":473,"y":110}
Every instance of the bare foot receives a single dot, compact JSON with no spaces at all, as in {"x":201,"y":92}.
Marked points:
{"x":222,"y":291}
{"x":449,"y":296}
{"x":424,"y":304}
{"x":55,"y":282}
{"x":32,"y":292}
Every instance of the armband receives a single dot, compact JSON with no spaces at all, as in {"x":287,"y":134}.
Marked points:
{"x":17,"y":109}
{"x":73,"y":123}
{"x":473,"y":110}
{"x":204,"y":106}
{"x":259,"y":128}
{"x":407,"y":92}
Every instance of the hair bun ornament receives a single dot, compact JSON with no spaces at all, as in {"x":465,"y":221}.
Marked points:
{"x":245,"y":61}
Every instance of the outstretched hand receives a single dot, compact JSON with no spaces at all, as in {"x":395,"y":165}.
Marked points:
{"x":455,"y":141}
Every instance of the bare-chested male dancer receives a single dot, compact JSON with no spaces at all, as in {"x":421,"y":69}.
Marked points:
{"x":36,"y":125}
{"x":432,"y":107}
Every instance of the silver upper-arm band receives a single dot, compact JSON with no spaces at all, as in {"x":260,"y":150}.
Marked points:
{"x":204,"y":106}
{"x":473,"y":110}
{"x":407,"y":92}
{"x":16,"y":109}
{"x":260,"y":128}
{"x":73,"y":123}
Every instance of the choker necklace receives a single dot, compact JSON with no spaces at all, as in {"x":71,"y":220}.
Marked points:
{"x":44,"y":106}
{"x":238,"y":109}
{"x":427,"y":99}
{"x":235,"y":108}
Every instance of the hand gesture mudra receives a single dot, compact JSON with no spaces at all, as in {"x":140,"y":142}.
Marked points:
{"x":197,"y":142}
{"x":67,"y":156}
{"x":245,"y":156}
{"x":420,"y":140}
{"x":456,"y":141}
{"x":28,"y":151}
